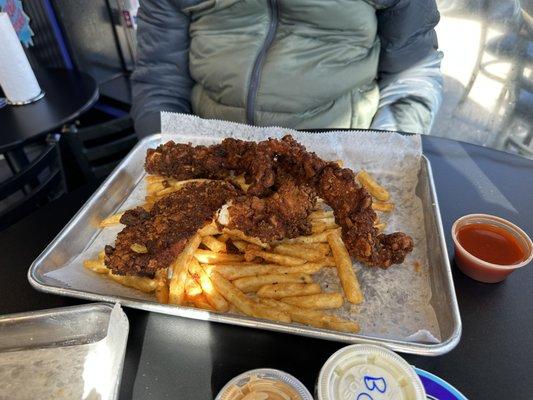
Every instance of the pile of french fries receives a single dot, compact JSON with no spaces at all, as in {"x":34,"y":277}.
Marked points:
{"x":224,"y":270}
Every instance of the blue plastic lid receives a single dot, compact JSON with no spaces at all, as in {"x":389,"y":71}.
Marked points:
{"x":437,"y":388}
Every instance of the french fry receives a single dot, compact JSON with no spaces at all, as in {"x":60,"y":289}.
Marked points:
{"x":345,"y":270}
{"x":148,"y":205}
{"x":223,"y":238}
{"x":307,"y":268}
{"x":319,"y":226}
{"x":201,"y":301}
{"x":209,"y":229}
{"x":265,"y":312}
{"x":325,"y":221}
{"x":316,"y":238}
{"x":374,"y":188}
{"x":234,"y":233}
{"x":177,"y":183}
{"x":381,"y":206}
{"x":307,"y":253}
{"x":180,"y":271}
{"x":254,"y":283}
{"x":101,"y":255}
{"x":321,"y":214}
{"x":239,"y":244}
{"x":111,"y":220}
{"x":253,"y":247}
{"x":210,"y":257}
{"x":280,"y":290}
{"x":97,"y":266}
{"x":161,"y":285}
{"x":217,"y":301}
{"x":167,"y":190}
{"x":141,"y":283}
{"x":380,"y":227}
{"x":339,"y":324}
{"x":153,"y":187}
{"x":149,"y":202}
{"x":154,"y":178}
{"x":244,"y":304}
{"x":214,"y":244}
{"x":236,"y":271}
{"x":232,"y":294}
{"x":192,"y":288}
{"x":322,"y":247}
{"x":316,"y":301}
{"x":300,"y":315}
{"x":273,"y":258}
{"x":329,"y":261}
{"x":312,"y":317}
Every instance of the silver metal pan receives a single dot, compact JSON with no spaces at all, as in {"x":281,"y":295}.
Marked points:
{"x":82,"y":230}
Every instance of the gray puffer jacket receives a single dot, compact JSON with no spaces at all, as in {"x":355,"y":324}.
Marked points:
{"x":293,"y":63}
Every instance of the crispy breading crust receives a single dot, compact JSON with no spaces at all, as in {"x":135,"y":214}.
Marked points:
{"x":283,"y":214}
{"x":280,"y":171}
{"x":165,"y":229}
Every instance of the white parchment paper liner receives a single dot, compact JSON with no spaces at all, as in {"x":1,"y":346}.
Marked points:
{"x":397,"y":299}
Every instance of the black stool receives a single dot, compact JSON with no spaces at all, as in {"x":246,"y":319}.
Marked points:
{"x":34,"y":184}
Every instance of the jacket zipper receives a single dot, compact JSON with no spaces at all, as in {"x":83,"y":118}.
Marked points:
{"x":253,"y":87}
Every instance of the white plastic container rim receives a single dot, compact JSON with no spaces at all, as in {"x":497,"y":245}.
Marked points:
{"x":266,"y":373}
{"x":368,"y":372}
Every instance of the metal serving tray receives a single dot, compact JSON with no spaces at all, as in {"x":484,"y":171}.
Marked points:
{"x":63,"y":353}
{"x":83,"y":228}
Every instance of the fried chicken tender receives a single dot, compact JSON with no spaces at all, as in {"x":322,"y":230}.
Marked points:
{"x":284,"y":180}
{"x":283,"y":214}
{"x":352,"y":206}
{"x":153,"y":239}
{"x":232,"y":156}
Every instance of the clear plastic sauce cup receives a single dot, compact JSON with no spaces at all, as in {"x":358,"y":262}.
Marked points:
{"x":367,"y":372}
{"x":264,"y":384}
{"x":494,"y":249}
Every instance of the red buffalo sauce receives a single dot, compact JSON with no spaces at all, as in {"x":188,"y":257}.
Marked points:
{"x":491,"y":244}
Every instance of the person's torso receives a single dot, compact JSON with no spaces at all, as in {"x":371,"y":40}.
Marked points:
{"x":293,"y":63}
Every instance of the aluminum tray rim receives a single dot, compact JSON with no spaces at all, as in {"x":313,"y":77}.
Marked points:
{"x":425,"y":349}
{"x":51,"y":311}
{"x":71,"y":310}
{"x":455,"y":336}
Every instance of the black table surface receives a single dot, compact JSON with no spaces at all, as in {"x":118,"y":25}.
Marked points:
{"x":177,"y":358}
{"x":68,"y":94}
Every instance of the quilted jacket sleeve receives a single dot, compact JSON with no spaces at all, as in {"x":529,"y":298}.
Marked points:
{"x":409,"y":70}
{"x":161,"y":80}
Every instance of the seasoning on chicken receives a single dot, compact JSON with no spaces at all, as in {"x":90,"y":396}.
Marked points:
{"x":284,"y":180}
{"x":283,"y":214}
{"x":153,"y":239}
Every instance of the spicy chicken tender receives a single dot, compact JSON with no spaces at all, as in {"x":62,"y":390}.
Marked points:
{"x":280,"y":215}
{"x":284,"y":180}
{"x":352,"y":206}
{"x":153,"y":239}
